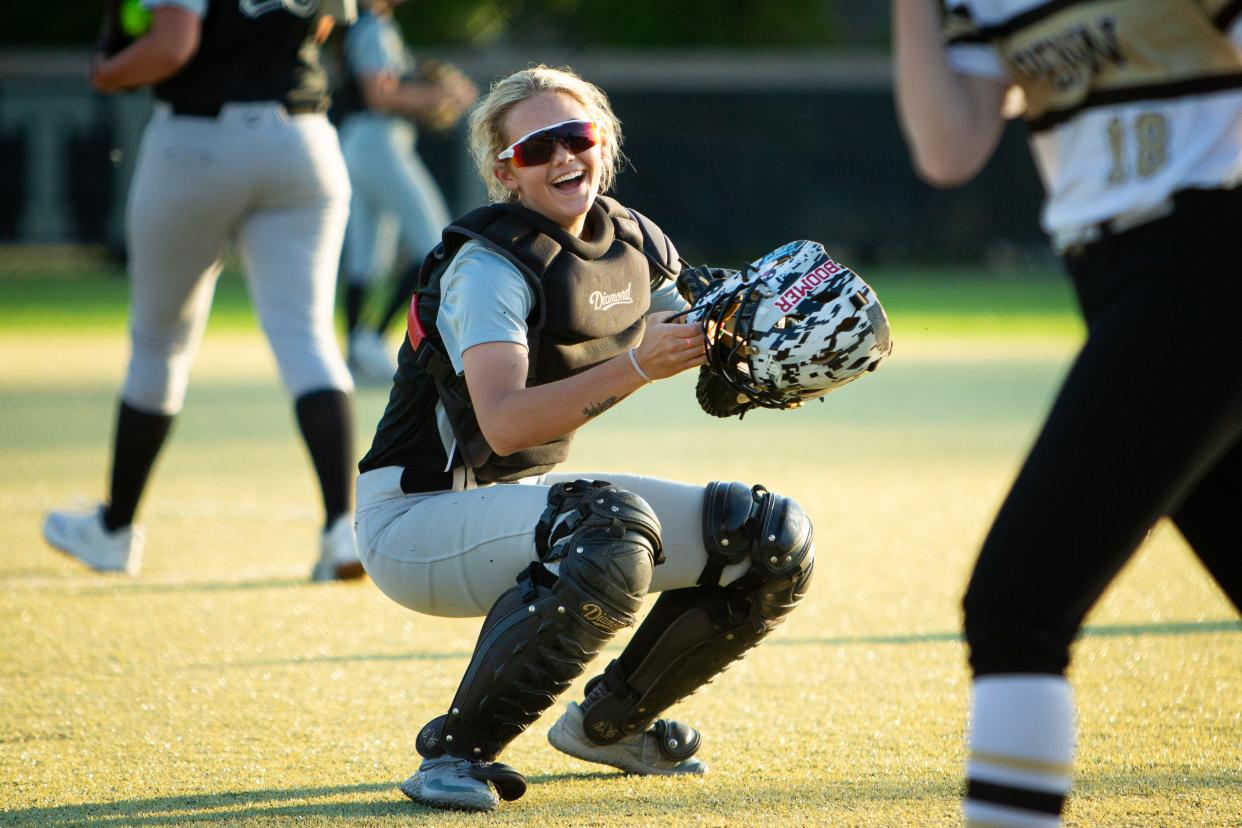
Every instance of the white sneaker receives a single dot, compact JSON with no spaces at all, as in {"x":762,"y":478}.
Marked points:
{"x":370,"y":360}
{"x":338,"y":553}
{"x":83,"y":535}
{"x":639,"y":754}
{"x":445,"y":782}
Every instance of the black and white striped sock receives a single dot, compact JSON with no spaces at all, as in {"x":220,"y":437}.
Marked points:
{"x":1021,"y":748}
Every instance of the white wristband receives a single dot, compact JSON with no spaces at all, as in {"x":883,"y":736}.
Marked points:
{"x":637,"y":367}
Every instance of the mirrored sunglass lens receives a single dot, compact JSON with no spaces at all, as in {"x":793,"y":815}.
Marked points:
{"x":578,"y":137}
{"x":535,"y":150}
{"x":538,"y":149}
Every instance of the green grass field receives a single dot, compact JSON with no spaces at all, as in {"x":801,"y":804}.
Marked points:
{"x":221,"y":687}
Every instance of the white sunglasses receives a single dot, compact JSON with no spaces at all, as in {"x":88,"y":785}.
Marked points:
{"x":537,"y":147}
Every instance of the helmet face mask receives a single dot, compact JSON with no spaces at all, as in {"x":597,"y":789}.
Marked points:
{"x":791,"y":326}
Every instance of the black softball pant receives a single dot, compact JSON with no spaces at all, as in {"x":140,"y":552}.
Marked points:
{"x":1148,"y":423}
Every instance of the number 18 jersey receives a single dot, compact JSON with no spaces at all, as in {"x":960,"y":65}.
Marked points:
{"x":1128,"y":101}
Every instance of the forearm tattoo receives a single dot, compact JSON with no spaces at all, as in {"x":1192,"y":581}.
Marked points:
{"x":595,"y":409}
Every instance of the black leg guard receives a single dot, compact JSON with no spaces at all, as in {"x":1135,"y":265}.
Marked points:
{"x":691,"y":635}
{"x":540,"y":635}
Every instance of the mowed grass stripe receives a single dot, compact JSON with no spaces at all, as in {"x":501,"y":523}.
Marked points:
{"x":963,"y":301}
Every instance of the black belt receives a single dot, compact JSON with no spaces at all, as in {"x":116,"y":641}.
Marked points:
{"x":213,"y":110}
{"x":1215,"y":197}
{"x":416,"y":481}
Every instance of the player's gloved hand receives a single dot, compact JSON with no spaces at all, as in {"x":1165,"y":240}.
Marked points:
{"x":717,"y":397}
{"x":456,"y":93}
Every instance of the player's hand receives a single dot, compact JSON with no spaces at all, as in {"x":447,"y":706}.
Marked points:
{"x":461,"y":90}
{"x":668,"y":348}
{"x":97,"y":78}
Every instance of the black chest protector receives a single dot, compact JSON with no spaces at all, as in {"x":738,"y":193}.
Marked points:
{"x":590,"y":300}
{"x":252,"y":50}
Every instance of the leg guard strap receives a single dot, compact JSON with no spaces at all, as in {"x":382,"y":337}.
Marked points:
{"x":510,"y":783}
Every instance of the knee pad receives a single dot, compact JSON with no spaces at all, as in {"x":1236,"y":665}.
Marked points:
{"x":539,"y":635}
{"x":603,"y":539}
{"x":769,"y":529}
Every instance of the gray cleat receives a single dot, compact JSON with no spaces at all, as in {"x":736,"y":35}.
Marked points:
{"x":638,"y":754}
{"x":446,"y":782}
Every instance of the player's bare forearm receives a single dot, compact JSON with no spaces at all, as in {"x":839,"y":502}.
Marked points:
{"x":951,"y":122}
{"x":514,"y":417}
{"x":159,"y":54}
{"x":385,"y":93}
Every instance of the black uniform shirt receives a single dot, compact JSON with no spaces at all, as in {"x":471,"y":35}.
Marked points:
{"x":252,"y":50}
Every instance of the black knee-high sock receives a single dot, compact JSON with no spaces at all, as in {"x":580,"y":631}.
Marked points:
{"x":139,"y":437}
{"x":400,"y":300}
{"x":355,"y":296}
{"x":327,"y":427}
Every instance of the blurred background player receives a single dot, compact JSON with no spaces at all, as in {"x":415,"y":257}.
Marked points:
{"x":239,"y":149}
{"x":387,"y":91}
{"x":1135,"y":111}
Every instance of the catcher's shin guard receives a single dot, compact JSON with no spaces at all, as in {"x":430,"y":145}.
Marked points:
{"x":539,"y":635}
{"x":693,"y":634}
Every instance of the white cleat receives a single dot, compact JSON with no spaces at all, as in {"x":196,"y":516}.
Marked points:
{"x":445,"y":782}
{"x":370,"y":360}
{"x":338,"y":553}
{"x":638,"y":754}
{"x":82,"y":535}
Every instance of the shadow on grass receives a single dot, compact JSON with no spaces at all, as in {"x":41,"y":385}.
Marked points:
{"x":223,"y":807}
{"x":1093,"y":631}
{"x":642,"y":798}
{"x":385,"y":803}
{"x":592,"y":776}
{"x":1143,"y":782}
{"x":1172,"y":628}
{"x":330,"y":659}
{"x":110,"y":586}
{"x":199,"y":586}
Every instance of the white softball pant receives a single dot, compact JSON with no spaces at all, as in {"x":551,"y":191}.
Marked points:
{"x":274,"y":184}
{"x":454,"y":553}
{"x":390,"y":185}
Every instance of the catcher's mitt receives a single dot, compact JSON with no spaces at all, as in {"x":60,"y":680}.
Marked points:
{"x":124,"y":21}
{"x":788,"y":328}
{"x":715,"y":394}
{"x":453,"y":81}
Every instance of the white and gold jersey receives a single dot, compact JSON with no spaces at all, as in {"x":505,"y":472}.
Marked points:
{"x":1128,"y":101}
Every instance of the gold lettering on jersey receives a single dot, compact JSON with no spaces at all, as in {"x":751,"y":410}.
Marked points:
{"x":1071,"y":56}
{"x":596,"y":616}
{"x":1079,"y":50}
{"x":1151,"y":130}
{"x":1151,"y":147}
